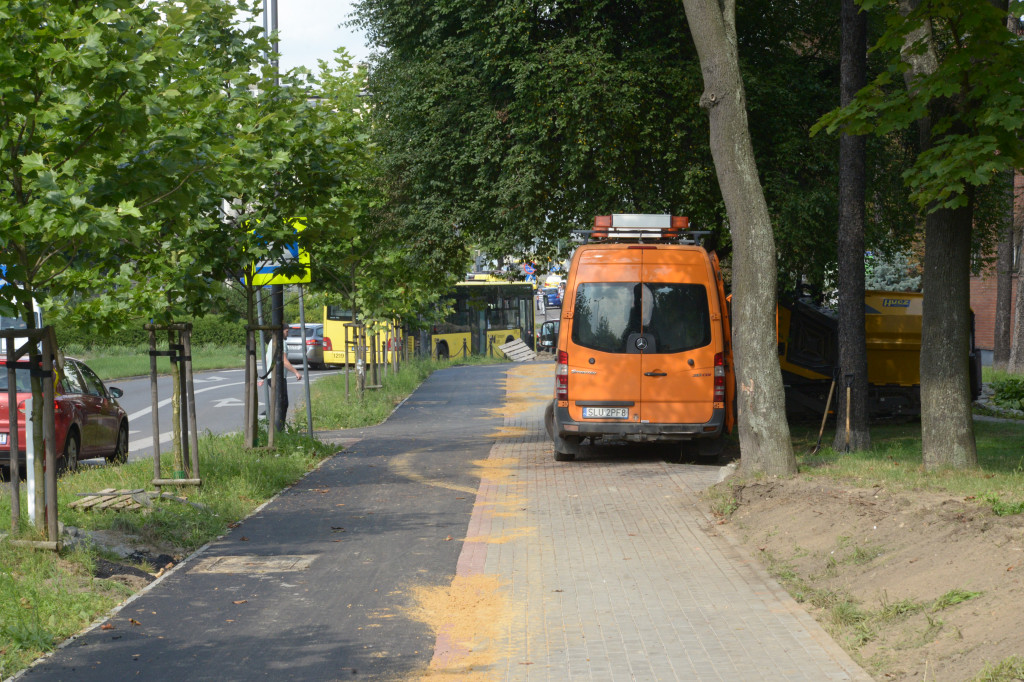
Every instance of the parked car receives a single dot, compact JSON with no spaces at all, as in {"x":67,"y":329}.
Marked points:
{"x":551,"y":297}
{"x":315,"y":342}
{"x":88,"y":419}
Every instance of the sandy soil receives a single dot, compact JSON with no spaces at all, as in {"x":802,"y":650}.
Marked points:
{"x":916,"y":586}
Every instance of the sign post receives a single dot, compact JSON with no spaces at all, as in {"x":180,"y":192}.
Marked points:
{"x":270,"y":272}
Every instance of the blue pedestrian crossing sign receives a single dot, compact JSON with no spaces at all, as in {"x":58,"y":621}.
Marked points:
{"x":267,"y":272}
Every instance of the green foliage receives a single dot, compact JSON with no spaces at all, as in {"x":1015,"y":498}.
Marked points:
{"x":115,"y":118}
{"x":209,"y":330}
{"x":1009,"y":392}
{"x":971,"y":95}
{"x":508,"y":125}
{"x":895,"y":273}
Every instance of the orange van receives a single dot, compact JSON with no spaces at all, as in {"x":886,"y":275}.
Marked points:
{"x":643,"y":352}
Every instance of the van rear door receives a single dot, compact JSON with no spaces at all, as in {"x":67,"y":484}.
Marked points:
{"x":604,"y":381}
{"x":677,"y":381}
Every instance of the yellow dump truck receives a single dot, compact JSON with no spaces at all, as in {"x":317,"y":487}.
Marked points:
{"x":808,"y":352}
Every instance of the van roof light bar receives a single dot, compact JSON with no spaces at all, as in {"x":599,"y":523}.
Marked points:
{"x":638,"y":227}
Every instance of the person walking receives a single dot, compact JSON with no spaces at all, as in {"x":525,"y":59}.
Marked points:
{"x":268,"y":363}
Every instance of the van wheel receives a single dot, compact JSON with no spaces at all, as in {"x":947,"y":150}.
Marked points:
{"x":563,"y":456}
{"x":681,"y":452}
{"x":566,"y":449}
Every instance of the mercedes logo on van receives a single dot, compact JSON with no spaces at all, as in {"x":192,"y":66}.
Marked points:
{"x":640,"y":343}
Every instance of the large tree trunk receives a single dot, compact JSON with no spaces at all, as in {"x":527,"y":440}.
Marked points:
{"x":853,"y":359}
{"x":947,"y":425}
{"x":1004,"y":290}
{"x":765,"y":444}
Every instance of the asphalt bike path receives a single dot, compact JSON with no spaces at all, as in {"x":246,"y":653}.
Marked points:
{"x":314,"y":586}
{"x":448,"y":544}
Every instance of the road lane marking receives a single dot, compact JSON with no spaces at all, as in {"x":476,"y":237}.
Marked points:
{"x":167,"y":401}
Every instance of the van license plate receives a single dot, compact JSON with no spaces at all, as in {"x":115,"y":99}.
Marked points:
{"x":3,"y":439}
{"x":605,"y":412}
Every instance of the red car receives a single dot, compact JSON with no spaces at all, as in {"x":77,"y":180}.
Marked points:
{"x":88,"y":420}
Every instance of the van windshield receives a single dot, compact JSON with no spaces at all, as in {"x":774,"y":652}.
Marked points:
{"x":675,"y":316}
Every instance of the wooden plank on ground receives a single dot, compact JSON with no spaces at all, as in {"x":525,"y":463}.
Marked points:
{"x":109,"y":498}
{"x":517,"y":351}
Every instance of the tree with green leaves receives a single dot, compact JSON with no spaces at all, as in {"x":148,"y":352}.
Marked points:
{"x":507,"y":127}
{"x":98,"y":107}
{"x":953,"y":73}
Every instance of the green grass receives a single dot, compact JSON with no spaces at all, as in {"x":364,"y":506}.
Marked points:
{"x":895,"y":462}
{"x":988,"y":375}
{"x":1007,"y":670}
{"x":952,"y":598}
{"x":119,"y":362}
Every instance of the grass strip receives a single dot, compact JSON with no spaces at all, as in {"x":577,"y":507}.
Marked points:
{"x":119,"y":362}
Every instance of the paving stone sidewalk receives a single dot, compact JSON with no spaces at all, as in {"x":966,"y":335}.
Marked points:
{"x":611,"y":571}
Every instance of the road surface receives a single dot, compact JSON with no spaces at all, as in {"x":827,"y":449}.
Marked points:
{"x":219,"y":404}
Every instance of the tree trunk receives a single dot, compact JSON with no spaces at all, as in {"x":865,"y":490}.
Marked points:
{"x":1004,"y":290}
{"x":947,"y":425}
{"x":853,"y":359}
{"x":765,"y":444}
{"x":1016,"y":363}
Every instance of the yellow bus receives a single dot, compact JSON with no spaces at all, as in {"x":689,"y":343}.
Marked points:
{"x":487,"y":313}
{"x":340,"y":338}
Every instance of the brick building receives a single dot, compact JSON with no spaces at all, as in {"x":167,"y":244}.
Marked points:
{"x":983,"y":303}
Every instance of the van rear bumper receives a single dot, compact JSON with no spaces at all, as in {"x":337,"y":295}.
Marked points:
{"x":567,"y":427}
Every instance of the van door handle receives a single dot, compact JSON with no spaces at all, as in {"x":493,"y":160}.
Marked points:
{"x":655,"y":374}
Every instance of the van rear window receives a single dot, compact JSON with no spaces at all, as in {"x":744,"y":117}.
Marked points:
{"x":675,"y":316}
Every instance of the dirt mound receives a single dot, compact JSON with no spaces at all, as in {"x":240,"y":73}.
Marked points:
{"x":914,"y":585}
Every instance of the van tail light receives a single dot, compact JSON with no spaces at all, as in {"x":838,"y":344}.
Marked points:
{"x":719,"y":377}
{"x":21,"y":407}
{"x":327,"y":343}
{"x":562,"y":376}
